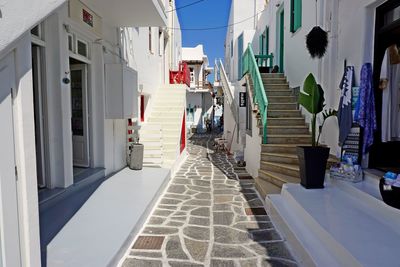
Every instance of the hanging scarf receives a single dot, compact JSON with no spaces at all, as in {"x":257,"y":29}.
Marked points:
{"x":345,"y":117}
{"x":365,"y":108}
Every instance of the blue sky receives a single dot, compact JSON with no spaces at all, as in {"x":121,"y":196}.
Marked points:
{"x":208,"y":13}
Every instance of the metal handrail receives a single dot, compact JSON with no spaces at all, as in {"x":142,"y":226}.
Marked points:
{"x":228,"y":92}
{"x":250,"y":67}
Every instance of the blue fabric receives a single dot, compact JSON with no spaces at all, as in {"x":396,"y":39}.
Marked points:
{"x":345,"y":116}
{"x":365,"y":108}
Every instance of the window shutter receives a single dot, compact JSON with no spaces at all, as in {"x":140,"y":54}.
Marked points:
{"x":298,"y":14}
{"x":261,"y":48}
{"x":267,"y":41}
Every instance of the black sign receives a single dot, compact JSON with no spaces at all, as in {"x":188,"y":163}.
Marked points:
{"x":242,"y":99}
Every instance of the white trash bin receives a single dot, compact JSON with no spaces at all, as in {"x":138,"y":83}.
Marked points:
{"x":136,"y":151}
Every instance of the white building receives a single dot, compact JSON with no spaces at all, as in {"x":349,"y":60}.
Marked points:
{"x":359,"y":32}
{"x":72,"y":74}
{"x":200,"y":93}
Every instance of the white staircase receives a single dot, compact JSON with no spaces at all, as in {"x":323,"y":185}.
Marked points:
{"x":161,"y":133}
{"x":340,"y":225}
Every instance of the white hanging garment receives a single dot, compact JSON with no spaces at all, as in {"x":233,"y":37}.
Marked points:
{"x":390,"y":100}
{"x":395,"y":99}
{"x":386,"y":103}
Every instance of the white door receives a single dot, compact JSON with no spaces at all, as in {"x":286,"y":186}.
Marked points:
{"x":9,"y":230}
{"x":79,"y":111}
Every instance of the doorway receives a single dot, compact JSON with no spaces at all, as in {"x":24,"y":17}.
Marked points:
{"x":281,"y":39}
{"x":39,"y":114}
{"x":79,"y":113}
{"x":384,"y":154}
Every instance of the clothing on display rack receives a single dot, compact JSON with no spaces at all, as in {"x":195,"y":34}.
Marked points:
{"x":390,"y":77}
{"x":345,"y":116}
{"x":365,"y":114}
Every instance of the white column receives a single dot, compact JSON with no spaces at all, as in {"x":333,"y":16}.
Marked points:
{"x":28,"y":210}
{"x":58,"y":102}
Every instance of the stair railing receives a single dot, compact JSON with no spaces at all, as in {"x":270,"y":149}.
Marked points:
{"x":228,"y":92}
{"x":250,"y":67}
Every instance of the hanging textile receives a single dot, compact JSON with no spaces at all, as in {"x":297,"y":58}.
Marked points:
{"x":345,"y":116}
{"x":365,"y":108}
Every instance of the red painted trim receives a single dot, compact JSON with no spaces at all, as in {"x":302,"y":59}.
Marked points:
{"x":142,"y":108}
{"x":183,"y":132}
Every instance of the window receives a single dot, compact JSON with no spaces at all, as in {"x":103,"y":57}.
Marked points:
{"x":78,"y":46}
{"x":160,"y":44}
{"x":231,"y":48}
{"x":82,"y":48}
{"x":37,"y":32}
{"x":71,"y":43}
{"x":191,"y":75}
{"x":150,"y":41}
{"x":295,"y":15}
{"x":240,"y":56}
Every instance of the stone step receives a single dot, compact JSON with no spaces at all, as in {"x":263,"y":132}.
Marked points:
{"x":280,"y":158}
{"x":289,"y":139}
{"x":283,"y":106}
{"x":265,"y":188}
{"x":282,"y":99}
{"x":283,"y":113}
{"x":279,"y":86}
{"x":282,"y":129}
{"x":280,"y":148}
{"x":278,"y":92}
{"x":274,"y":80}
{"x":286,"y":169}
{"x":272,"y":75}
{"x":286,"y":121}
{"x":277,"y":179}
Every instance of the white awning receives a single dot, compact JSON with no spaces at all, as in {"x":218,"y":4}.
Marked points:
{"x":130,"y":13}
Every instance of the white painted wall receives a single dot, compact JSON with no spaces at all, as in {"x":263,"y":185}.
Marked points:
{"x":108,"y":137}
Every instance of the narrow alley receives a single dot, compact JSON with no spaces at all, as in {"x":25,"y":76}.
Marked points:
{"x":210,"y":215}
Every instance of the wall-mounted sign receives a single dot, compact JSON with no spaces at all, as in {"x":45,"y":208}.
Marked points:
{"x":242,"y":99}
{"x":87,"y":17}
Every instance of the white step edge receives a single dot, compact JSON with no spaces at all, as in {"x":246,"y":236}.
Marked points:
{"x":308,"y":233}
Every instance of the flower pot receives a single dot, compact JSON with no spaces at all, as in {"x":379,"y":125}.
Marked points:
{"x":312,"y":161}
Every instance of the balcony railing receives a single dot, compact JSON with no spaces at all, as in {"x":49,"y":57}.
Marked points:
{"x":250,"y":67}
{"x":228,"y":91}
{"x":181,"y":76}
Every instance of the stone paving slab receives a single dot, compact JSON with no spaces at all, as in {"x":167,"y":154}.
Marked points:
{"x":210,"y":215}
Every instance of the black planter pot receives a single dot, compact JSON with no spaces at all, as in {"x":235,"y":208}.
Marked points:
{"x":312,"y":162}
{"x":390,"y":197}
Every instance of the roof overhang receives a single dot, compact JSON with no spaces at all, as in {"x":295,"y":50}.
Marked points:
{"x":130,"y":13}
{"x":19,"y":17}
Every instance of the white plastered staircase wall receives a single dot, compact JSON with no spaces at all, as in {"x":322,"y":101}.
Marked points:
{"x":161,"y":133}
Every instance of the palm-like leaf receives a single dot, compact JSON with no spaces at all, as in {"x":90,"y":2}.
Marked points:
{"x":312,"y":97}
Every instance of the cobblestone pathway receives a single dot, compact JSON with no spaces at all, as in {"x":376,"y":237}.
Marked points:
{"x":210,"y":215}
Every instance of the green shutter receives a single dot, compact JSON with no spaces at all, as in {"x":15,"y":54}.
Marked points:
{"x":297,"y":13}
{"x":267,"y":41}
{"x":261,"y":43}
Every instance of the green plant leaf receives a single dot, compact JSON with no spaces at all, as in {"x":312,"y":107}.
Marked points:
{"x":312,"y":96}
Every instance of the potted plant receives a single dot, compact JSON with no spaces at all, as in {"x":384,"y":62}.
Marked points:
{"x":313,"y":159}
